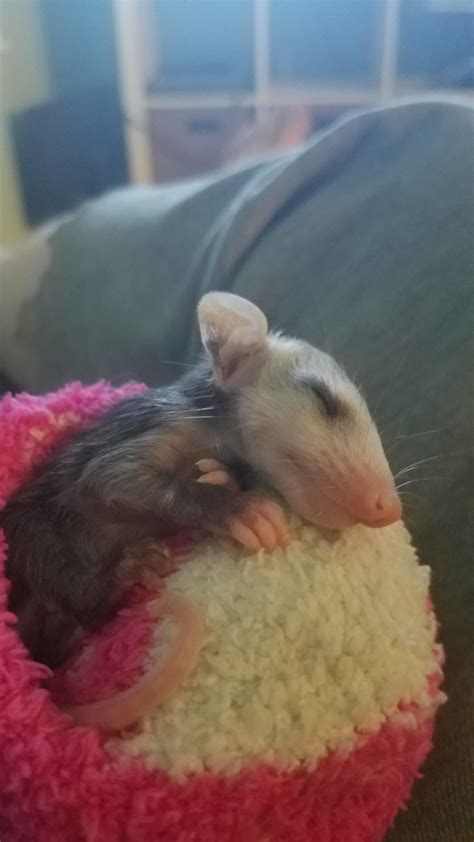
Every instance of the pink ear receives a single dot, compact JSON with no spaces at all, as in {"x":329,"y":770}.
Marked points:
{"x":234,"y":333}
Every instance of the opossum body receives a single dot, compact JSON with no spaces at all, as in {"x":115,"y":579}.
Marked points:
{"x":269,"y":407}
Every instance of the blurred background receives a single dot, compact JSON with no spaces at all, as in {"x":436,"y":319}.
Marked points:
{"x":101,"y":93}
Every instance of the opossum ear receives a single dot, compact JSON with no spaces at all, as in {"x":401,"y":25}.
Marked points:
{"x":234,"y":334}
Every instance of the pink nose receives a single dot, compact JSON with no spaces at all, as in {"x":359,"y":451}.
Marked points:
{"x":382,"y":509}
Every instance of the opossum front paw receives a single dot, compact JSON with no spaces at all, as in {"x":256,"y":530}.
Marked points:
{"x":261,"y":525}
{"x":215,"y":473}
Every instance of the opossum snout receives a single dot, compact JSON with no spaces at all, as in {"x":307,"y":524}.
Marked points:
{"x":369,"y":496}
{"x":379,"y":506}
{"x":340,"y":495}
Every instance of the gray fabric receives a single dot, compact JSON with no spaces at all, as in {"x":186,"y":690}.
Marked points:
{"x":361,"y":242}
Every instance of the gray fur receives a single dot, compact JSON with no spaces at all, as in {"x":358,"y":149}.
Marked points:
{"x":104,"y":494}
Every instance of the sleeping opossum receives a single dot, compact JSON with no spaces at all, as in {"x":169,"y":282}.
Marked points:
{"x":257,"y":405}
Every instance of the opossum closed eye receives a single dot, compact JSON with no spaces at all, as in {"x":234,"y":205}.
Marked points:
{"x":331,"y":405}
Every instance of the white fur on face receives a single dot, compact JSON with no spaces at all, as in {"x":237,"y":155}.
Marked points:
{"x":304,"y":425}
{"x":330,"y":470}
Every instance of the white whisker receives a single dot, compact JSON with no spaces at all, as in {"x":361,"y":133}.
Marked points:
{"x":419,"y":479}
{"x":417,"y":464}
{"x":415,"y":435}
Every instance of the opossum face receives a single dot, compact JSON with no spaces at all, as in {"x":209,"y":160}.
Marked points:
{"x":304,"y":424}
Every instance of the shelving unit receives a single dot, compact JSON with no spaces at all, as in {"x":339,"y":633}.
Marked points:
{"x":147,"y":102}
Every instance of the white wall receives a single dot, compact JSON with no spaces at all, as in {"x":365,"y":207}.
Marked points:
{"x":24,"y":81}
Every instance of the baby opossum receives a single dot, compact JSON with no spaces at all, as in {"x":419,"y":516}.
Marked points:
{"x":86,"y":524}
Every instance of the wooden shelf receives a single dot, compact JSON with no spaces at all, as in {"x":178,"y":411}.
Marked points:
{"x":323,"y":95}
{"x":277,"y":96}
{"x":208,"y":100}
{"x":137,"y":56}
{"x":418,"y":89}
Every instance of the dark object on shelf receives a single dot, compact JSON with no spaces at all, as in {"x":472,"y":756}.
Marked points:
{"x":187,"y":142}
{"x":67,"y":151}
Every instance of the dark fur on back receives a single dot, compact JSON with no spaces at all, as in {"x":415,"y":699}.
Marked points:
{"x":77,"y":530}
